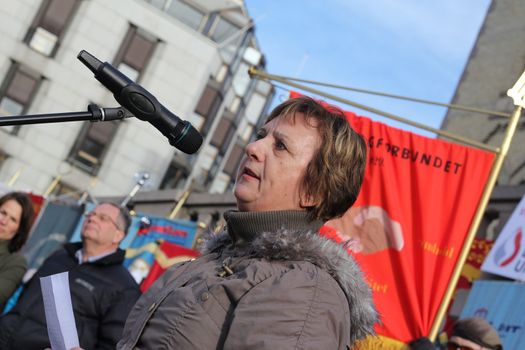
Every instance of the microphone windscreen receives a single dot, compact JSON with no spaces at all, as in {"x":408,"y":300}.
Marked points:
{"x":191,"y":142}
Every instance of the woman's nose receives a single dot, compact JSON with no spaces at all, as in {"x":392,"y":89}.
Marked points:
{"x":254,"y":150}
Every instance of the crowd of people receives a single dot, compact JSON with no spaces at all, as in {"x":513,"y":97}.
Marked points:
{"x":268,"y":280}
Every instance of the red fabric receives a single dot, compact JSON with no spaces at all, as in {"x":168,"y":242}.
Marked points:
{"x":410,"y":220}
{"x":168,"y":254}
{"x":37,"y":201}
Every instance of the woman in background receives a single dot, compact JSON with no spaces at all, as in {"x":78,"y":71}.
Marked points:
{"x":16,"y":217}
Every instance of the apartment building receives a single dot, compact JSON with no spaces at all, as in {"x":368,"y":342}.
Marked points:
{"x":193,"y":55}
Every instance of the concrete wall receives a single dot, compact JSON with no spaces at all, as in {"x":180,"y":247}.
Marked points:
{"x":496,"y":62}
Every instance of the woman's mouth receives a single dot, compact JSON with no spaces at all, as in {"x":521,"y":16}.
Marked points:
{"x":250,"y":173}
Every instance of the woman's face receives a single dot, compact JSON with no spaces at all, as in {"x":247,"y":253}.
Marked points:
{"x":271,"y":171}
{"x":10,"y":215}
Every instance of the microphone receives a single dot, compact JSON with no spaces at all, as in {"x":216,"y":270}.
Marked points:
{"x":180,"y":133}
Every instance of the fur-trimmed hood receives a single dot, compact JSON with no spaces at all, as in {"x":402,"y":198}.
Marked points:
{"x":305,"y":245}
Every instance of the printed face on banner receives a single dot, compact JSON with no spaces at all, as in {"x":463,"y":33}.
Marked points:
{"x":371,"y":230}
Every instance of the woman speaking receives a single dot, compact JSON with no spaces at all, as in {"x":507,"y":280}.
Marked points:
{"x":269,"y":280}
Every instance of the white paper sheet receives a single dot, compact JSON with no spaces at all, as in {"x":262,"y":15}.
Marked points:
{"x":60,"y":319}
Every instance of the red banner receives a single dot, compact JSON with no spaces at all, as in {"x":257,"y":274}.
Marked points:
{"x":410,"y":221}
{"x":166,"y":255}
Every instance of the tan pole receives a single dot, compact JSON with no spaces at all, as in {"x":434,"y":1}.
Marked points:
{"x":494,"y":173}
{"x":15,"y":177}
{"x":405,"y":98}
{"x":254,"y":72}
{"x":517,"y":92}
{"x":179,"y":204}
{"x":201,"y":226}
{"x":53,"y":185}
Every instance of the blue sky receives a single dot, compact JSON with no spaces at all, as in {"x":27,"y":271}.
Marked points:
{"x":416,"y":48}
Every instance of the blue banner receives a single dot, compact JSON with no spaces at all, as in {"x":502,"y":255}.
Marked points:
{"x":502,"y":304}
{"x":140,"y":254}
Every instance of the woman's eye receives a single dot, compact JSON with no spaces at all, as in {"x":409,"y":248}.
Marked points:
{"x":280,"y":145}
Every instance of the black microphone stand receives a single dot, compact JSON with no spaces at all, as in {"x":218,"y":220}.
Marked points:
{"x":93,"y":114}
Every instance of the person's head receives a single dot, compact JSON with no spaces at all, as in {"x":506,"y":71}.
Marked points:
{"x":16,"y":218}
{"x":474,"y":333}
{"x":422,"y":343}
{"x":105,"y":226}
{"x":306,"y":157}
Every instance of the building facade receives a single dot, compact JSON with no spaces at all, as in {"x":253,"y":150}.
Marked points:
{"x":193,"y":55}
{"x":496,"y":62}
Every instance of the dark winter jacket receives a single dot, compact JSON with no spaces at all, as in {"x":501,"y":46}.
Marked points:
{"x":262,"y":286}
{"x":12,"y":269}
{"x":102,"y":293}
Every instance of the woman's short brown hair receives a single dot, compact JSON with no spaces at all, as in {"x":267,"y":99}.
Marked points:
{"x":26,"y":219}
{"x":334,"y":176}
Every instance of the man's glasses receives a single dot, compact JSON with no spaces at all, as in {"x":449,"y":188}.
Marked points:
{"x":102,"y":217}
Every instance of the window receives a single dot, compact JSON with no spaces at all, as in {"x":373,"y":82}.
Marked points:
{"x":49,"y":25}
{"x":91,"y":146}
{"x":135,"y":52}
{"x":241,"y":80}
{"x":234,"y":159}
{"x":222,"y":136}
{"x":223,"y":133}
{"x":175,"y":176}
{"x":222,"y":30}
{"x":64,"y":190}
{"x":184,"y":12}
{"x":187,"y":14}
{"x":17,"y":92}
{"x":214,"y":168}
{"x":209,"y":104}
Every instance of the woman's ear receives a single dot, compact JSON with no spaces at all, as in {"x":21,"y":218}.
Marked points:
{"x":307,"y":201}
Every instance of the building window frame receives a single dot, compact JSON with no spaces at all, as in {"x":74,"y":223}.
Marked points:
{"x":175,"y":176}
{"x":80,"y":157}
{"x":41,"y":35}
{"x":16,"y":72}
{"x":217,"y":20}
{"x":65,"y":190}
{"x":134,"y":35}
{"x":231,"y":165}
{"x":209,"y":104}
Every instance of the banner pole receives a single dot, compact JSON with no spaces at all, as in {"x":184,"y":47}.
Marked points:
{"x":405,"y":98}
{"x":494,"y":173}
{"x":262,"y":75}
{"x":53,"y":185}
{"x":15,"y":177}
{"x":179,"y":204}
